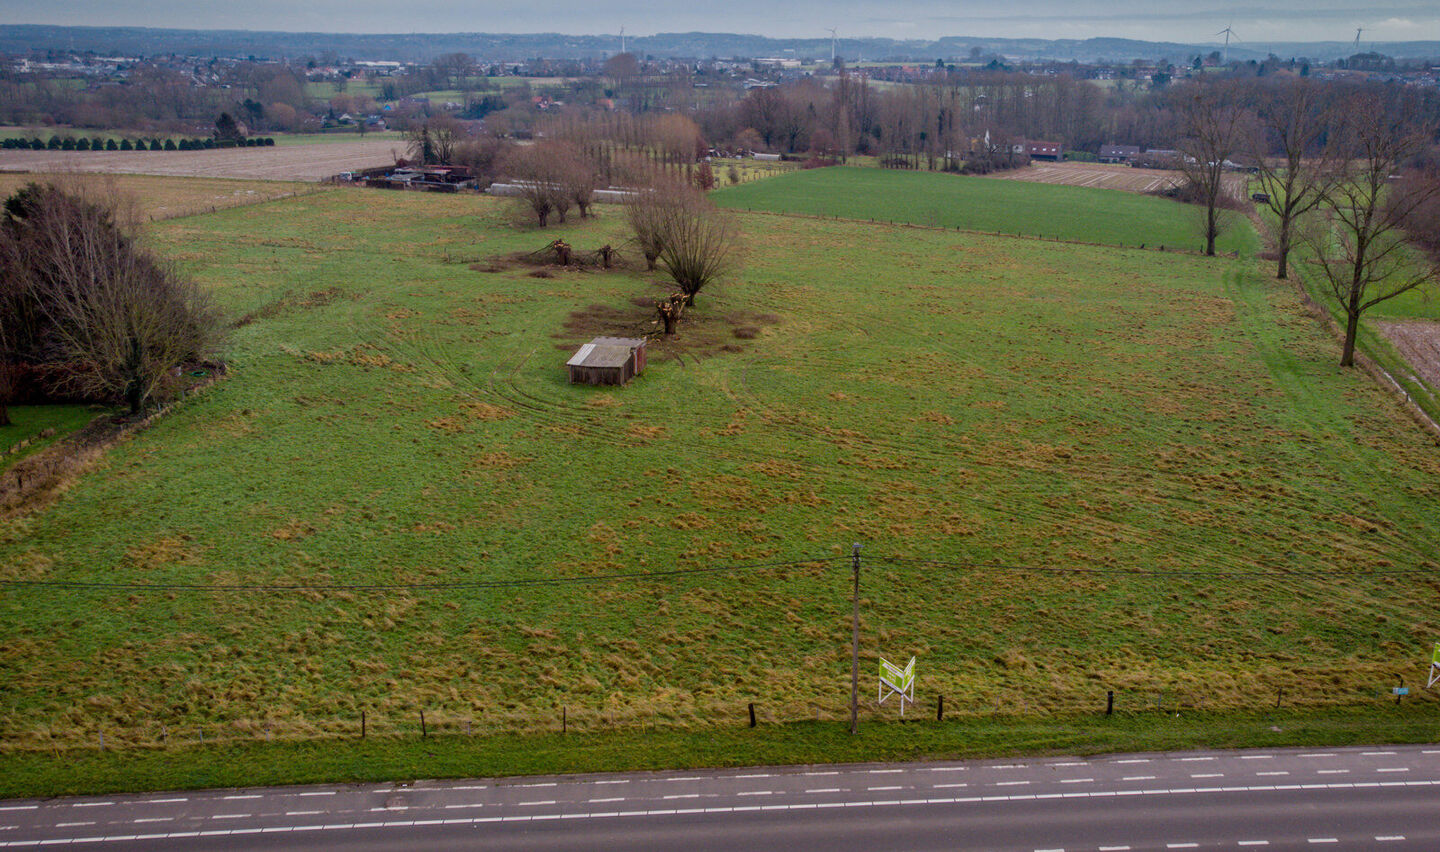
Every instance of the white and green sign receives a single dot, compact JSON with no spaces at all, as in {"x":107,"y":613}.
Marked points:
{"x":897,"y":681}
{"x":1434,"y":667}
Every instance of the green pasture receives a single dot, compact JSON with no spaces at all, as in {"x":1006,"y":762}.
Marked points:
{"x":1039,"y":418}
{"x":347,"y":135}
{"x":324,"y":90}
{"x":984,"y":204}
{"x":28,"y":423}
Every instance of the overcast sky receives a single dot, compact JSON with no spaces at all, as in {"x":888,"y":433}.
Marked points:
{"x":1255,"y":23}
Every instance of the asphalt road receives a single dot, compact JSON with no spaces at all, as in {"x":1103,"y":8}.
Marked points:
{"x":1351,"y":798}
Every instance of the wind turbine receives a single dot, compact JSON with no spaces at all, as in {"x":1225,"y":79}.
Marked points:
{"x":1358,"y":31}
{"x":833,"y":39}
{"x":622,"y":39}
{"x":1227,"y":32}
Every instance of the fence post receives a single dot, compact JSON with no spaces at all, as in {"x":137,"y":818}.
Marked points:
{"x":423,"y":732}
{"x":1278,"y":693}
{"x":752,"y":714}
{"x":564,"y":720}
{"x":362,"y":724}
{"x":940,"y":708}
{"x":1109,"y":702}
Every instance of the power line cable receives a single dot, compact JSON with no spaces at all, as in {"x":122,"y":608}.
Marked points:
{"x":388,"y":587}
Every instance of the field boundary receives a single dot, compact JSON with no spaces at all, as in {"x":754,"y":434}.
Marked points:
{"x":32,"y":483}
{"x":404,"y":758}
{"x":1326,"y":317}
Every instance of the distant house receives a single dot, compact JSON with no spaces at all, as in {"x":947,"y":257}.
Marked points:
{"x":607,"y":361}
{"x":1044,"y":150}
{"x":1118,"y":153}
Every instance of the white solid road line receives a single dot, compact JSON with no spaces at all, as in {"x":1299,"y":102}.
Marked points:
{"x":1386,"y":838}
{"x":1394,"y":769}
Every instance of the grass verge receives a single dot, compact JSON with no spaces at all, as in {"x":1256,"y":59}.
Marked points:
{"x":75,"y":772}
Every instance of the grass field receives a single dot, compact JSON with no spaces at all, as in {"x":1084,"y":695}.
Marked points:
{"x":161,"y":197}
{"x":983,"y":204}
{"x":29,"y":422}
{"x":397,"y":413}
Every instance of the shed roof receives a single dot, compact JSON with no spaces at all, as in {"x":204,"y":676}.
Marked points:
{"x":601,"y":355}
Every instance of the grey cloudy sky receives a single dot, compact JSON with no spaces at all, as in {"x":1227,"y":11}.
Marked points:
{"x":1198,"y":21}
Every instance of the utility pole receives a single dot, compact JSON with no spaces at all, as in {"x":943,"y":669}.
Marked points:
{"x":855,"y":643}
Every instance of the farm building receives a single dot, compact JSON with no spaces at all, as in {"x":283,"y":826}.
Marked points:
{"x":1043,"y":150}
{"x":1118,"y":153}
{"x":608,"y":361}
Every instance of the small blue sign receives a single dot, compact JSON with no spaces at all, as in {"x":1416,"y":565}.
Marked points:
{"x":1401,"y":690}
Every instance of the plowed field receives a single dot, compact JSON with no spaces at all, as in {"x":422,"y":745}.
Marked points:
{"x":297,"y":162}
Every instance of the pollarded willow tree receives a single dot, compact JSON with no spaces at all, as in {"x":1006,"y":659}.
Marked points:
{"x":1358,"y":242}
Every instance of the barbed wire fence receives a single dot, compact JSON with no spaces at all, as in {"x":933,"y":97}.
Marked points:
{"x":1004,"y":700}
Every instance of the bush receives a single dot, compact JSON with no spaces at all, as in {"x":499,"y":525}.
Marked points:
{"x":82,"y":144}
{"x":170,"y":145}
{"x":54,"y":143}
{"x":111,"y":146}
{"x":126,"y":146}
{"x":37,"y":145}
{"x":81,"y":297}
{"x":68,"y":144}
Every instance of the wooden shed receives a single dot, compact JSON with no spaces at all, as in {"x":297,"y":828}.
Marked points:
{"x":608,"y":361}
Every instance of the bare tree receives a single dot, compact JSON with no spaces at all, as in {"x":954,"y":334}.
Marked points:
{"x":1359,"y":246}
{"x":1213,"y":128}
{"x":698,"y":244}
{"x":1296,"y":121}
{"x":115,"y":316}
{"x":649,"y":212}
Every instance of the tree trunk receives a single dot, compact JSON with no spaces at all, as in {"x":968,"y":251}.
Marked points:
{"x":1283,"y":249}
{"x":1352,"y":328}
{"x":1210,"y":230}
{"x":4,"y":414}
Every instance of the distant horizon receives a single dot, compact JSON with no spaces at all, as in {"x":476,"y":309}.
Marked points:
{"x":1267,"y":21}
{"x":629,"y":35}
